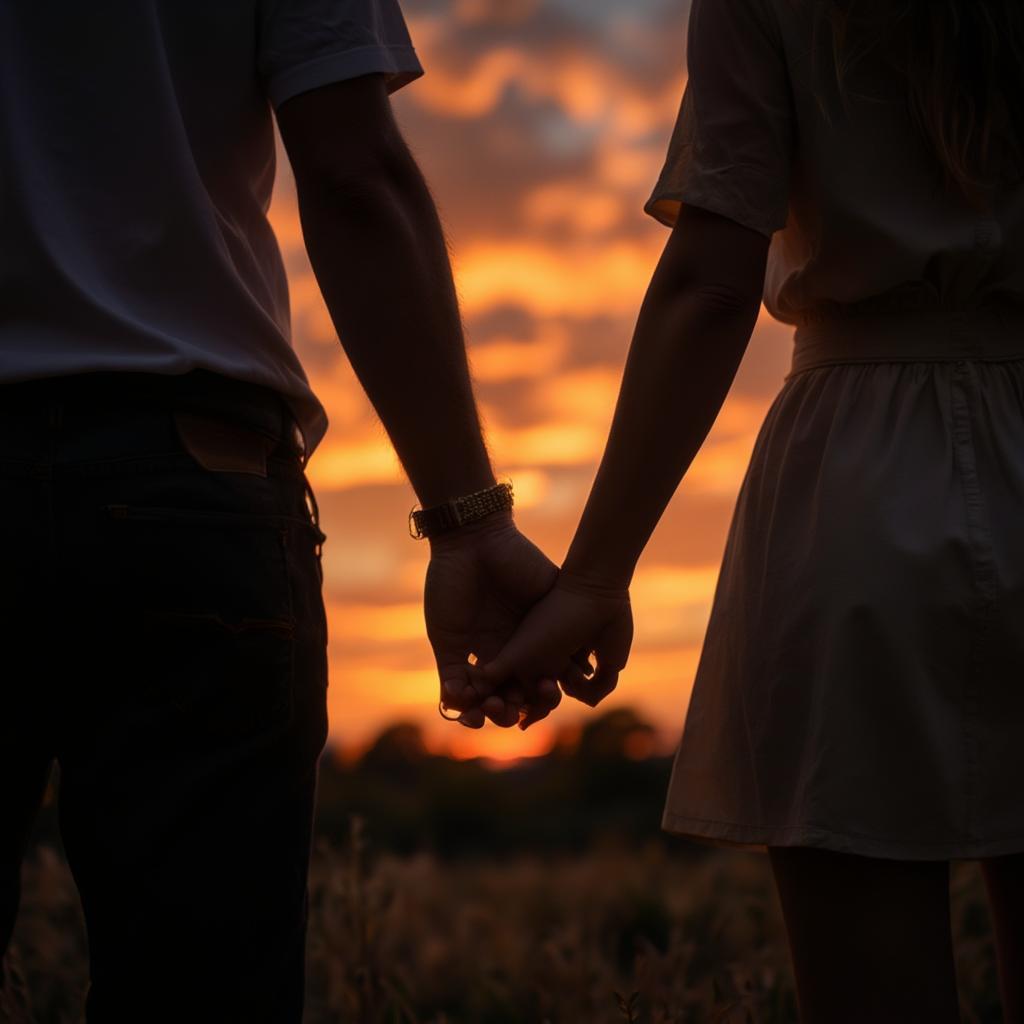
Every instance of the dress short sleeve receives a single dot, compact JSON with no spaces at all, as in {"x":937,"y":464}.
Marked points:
{"x":731,"y":148}
{"x":303,"y":44}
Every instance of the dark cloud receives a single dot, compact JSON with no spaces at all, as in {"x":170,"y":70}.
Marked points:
{"x":481,"y":169}
{"x":513,"y":403}
{"x":509,"y":323}
{"x":603,"y":341}
{"x":635,"y":39}
{"x":599,"y":340}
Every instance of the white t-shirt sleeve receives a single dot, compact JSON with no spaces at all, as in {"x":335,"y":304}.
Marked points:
{"x":732,"y":147}
{"x":303,"y":44}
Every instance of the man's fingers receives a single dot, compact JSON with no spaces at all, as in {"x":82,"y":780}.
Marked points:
{"x":533,"y":716}
{"x":463,"y":686}
{"x":514,"y":694}
{"x":482,"y":686}
{"x":548,"y":693}
{"x":500,"y":712}
{"x":455,"y":690}
{"x":472,"y":719}
{"x":457,"y":693}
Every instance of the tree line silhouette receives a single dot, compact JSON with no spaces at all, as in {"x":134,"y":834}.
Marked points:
{"x":600,"y":784}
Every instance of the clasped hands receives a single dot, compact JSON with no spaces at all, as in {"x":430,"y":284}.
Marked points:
{"x":511,"y":632}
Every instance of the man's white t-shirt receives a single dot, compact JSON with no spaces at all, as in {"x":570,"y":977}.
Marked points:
{"x":136,"y":170}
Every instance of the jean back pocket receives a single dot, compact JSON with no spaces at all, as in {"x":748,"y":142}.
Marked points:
{"x":203,"y":606}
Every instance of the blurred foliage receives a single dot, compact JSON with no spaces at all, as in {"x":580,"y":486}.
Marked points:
{"x":590,"y":788}
{"x":446,"y":893}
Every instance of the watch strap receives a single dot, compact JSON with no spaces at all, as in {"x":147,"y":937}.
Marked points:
{"x":428,"y":522}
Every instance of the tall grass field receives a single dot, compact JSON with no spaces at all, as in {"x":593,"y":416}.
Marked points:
{"x":615,"y":934}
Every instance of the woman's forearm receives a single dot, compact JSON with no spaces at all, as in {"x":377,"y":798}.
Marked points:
{"x":691,"y":334}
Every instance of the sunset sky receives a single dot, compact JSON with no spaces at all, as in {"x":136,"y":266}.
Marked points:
{"x":541,"y":126}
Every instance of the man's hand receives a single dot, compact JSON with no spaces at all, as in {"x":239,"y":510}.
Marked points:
{"x":482,"y":579}
{"x":577,"y":614}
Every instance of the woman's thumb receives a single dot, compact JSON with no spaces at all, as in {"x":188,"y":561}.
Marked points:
{"x":531,"y":652}
{"x":503,"y":667}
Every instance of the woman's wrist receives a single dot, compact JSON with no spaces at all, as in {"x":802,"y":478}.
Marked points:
{"x":580,"y":573}
{"x":600,"y":551}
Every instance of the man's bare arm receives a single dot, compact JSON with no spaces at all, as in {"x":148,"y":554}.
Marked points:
{"x":378,"y":251}
{"x":379,"y":255}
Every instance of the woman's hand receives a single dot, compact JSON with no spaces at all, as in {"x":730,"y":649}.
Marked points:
{"x":577,"y":615}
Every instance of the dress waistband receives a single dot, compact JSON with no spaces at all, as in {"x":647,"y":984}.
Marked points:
{"x":932,"y":335}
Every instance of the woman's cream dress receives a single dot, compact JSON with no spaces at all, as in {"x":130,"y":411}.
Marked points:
{"x":861,"y":682}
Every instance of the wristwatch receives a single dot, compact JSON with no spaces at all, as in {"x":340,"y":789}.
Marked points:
{"x":428,"y":522}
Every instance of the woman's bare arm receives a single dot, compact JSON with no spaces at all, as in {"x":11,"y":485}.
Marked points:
{"x":692,"y":332}
{"x":690,"y":337}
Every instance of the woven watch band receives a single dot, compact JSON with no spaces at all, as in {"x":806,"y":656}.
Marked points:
{"x":428,"y":522}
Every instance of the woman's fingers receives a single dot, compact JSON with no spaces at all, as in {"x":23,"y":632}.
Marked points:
{"x":601,"y":686}
{"x":574,"y":681}
{"x":612,"y":647}
{"x":611,"y":651}
{"x":582,"y":658}
{"x":547,"y":697}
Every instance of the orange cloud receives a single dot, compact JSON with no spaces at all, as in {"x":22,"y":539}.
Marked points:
{"x":471,"y":93}
{"x":578,"y":279}
{"x":504,"y":360}
{"x":671,"y":604}
{"x":342,"y":462}
{"x":585,"y":209}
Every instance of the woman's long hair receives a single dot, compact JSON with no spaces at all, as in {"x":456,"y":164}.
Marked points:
{"x":963,"y":65}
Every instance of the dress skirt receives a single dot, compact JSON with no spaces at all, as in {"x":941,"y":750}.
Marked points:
{"x":861,"y":682}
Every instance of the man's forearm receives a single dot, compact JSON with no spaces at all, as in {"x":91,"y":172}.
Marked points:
{"x":379,"y":255}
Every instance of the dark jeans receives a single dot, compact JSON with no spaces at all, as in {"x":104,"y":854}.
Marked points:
{"x":164,"y":638}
